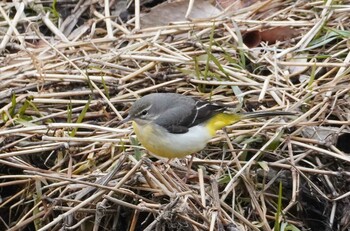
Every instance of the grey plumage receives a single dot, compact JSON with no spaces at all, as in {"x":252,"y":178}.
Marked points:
{"x":179,"y":112}
{"x":173,"y":125}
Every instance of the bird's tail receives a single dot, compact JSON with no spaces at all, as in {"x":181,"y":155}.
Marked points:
{"x":221,"y":120}
{"x":249,"y":115}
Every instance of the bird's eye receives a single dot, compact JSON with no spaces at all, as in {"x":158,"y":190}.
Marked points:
{"x":144,"y":112}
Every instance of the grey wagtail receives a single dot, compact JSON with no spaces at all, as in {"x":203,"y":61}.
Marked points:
{"x":172,"y":125}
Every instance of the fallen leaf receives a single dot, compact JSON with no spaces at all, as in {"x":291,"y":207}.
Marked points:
{"x":327,"y":135}
{"x":236,"y":4}
{"x":278,"y":34}
{"x":296,"y":70}
{"x":165,"y":13}
{"x":253,"y":38}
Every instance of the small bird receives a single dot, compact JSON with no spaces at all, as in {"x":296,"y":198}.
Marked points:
{"x":171,"y":125}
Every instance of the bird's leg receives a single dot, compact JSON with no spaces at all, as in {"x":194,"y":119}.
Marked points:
{"x":167,"y":164}
{"x":188,"y":169}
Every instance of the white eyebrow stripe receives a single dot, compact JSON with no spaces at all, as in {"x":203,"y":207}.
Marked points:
{"x":147,"y":108}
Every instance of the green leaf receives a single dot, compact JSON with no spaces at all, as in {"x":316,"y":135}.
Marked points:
{"x":81,"y":116}
{"x":275,"y":143}
{"x":23,"y":109}
{"x":13,"y":105}
{"x":263,"y":165}
{"x":69,"y":112}
{"x":241,"y":51}
{"x":224,"y":179}
{"x":279,"y":208}
{"x":105,"y":88}
{"x":54,"y":10}
{"x":196,"y":67}
{"x":217,"y":63}
{"x":137,"y":152}
{"x":238,"y":93}
{"x":285,"y":226}
{"x":312,"y":77}
{"x":211,"y":39}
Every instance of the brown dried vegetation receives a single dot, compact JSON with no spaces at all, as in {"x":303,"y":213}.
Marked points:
{"x":65,"y":163}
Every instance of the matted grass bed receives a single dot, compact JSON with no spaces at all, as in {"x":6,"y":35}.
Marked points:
{"x":70,"y":70}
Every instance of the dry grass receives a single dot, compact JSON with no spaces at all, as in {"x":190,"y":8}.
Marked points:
{"x":65,"y":163}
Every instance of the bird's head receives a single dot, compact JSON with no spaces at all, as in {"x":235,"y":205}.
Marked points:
{"x":146,"y":109}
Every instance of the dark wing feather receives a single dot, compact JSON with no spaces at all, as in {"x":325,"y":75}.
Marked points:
{"x":181,"y":117}
{"x":176,"y":129}
{"x":202,"y":112}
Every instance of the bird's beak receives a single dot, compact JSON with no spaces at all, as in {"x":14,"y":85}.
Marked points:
{"x":127,"y":119}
